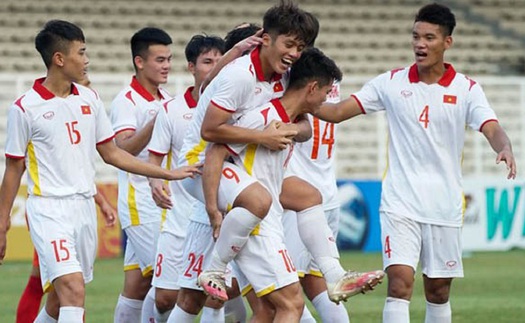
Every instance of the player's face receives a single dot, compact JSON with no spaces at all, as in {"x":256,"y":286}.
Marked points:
{"x":283,"y":51}
{"x":317,"y":95}
{"x":156,"y":65}
{"x":205,"y":63}
{"x":429,"y":44}
{"x":75,"y":62}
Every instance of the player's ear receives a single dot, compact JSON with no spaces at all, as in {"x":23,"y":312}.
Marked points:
{"x":191,"y":68}
{"x":267,"y":39}
{"x":448,"y":42}
{"x":312,"y":86}
{"x":139,"y":62}
{"x":58,"y":59}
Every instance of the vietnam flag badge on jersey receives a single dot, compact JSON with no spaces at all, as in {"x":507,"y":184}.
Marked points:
{"x":451,"y":99}
{"x":278,"y":87}
{"x":86,"y":109}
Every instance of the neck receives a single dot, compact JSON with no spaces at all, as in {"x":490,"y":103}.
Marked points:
{"x":267,"y":69}
{"x":57,"y":84}
{"x":152,"y":88}
{"x":431,"y":74}
{"x":195,"y":92}
{"x":293,"y":103}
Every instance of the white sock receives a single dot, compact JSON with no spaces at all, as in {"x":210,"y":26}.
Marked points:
{"x":234,"y":310}
{"x":396,"y":310}
{"x":178,"y":315}
{"x":43,"y":317}
{"x":128,"y":310}
{"x":212,"y":315}
{"x":71,"y":314}
{"x":307,"y":316}
{"x":235,"y":231}
{"x":330,"y":311}
{"x":320,"y":242}
{"x":148,"y":312}
{"x":438,"y":313}
{"x":161,"y":317}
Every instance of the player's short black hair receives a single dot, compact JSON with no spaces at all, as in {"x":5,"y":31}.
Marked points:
{"x":56,"y":36}
{"x":239,"y":33}
{"x":437,"y":14}
{"x":313,"y":65}
{"x":287,"y":18}
{"x":144,"y":38}
{"x":201,"y":44}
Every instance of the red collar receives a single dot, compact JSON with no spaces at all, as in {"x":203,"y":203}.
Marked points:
{"x":45,"y":93}
{"x":255,"y":55}
{"x":189,"y":99}
{"x":135,"y":85}
{"x":445,"y":80}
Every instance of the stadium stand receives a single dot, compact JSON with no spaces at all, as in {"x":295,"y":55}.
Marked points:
{"x":365,"y":37}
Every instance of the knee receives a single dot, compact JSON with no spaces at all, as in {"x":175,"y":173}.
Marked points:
{"x":164,"y":302}
{"x":400,"y":288}
{"x":437,"y":294}
{"x":190,"y":302}
{"x":70,"y":292}
{"x":256,"y":199}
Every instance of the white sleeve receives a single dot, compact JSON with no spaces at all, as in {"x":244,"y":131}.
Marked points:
{"x":251,"y":120}
{"x":160,"y":142}
{"x":235,"y":87}
{"x":123,"y":113}
{"x":18,"y":132}
{"x":369,"y":97}
{"x":478,"y":108}
{"x":103,"y":125}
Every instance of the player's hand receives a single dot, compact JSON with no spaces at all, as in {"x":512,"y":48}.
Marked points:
{"x":507,"y":156}
{"x":249,"y":43}
{"x":161,"y":193}
{"x":216,"y":218}
{"x":186,"y":171}
{"x":276,"y":136}
{"x":109,"y":214}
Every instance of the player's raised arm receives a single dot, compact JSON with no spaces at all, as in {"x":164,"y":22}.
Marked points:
{"x":341,"y":111}
{"x":500,"y":142}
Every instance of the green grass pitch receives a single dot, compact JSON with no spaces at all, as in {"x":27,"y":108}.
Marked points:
{"x":493,"y":289}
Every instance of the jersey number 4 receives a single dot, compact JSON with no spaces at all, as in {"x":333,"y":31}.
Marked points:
{"x":423,"y":117}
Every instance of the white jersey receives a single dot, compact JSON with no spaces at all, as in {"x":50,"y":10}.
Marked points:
{"x":132,"y":109}
{"x":267,"y":166}
{"x":313,"y":160}
{"x":58,"y":137}
{"x":426,"y":138}
{"x":166,"y":139}
{"x":239,"y":87}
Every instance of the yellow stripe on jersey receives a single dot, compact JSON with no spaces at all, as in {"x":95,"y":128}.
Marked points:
{"x":193,"y":155}
{"x":132,"y":205}
{"x":255,"y":231}
{"x":33,"y":168}
{"x":249,"y":158}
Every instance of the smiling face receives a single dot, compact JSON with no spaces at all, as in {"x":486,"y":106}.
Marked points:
{"x":156,"y":64}
{"x":429,"y":44}
{"x":317,"y":95}
{"x":282,"y":51}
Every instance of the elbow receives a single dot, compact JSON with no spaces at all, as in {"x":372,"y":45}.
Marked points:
{"x":207,"y":134}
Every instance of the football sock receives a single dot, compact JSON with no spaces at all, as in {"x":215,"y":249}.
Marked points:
{"x":235,"y":231}
{"x":127,"y":310}
{"x":212,"y":315}
{"x":319,"y":240}
{"x":438,"y":313}
{"x":396,"y":310}
{"x":330,"y":311}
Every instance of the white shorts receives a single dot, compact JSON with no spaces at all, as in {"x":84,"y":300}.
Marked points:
{"x":406,"y":242}
{"x":141,"y":246}
{"x":168,"y":261}
{"x":229,"y":187}
{"x":198,"y":246}
{"x":298,"y":252}
{"x":64,"y":233}
{"x":266,"y":264}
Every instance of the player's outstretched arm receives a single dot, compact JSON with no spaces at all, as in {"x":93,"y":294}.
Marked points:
{"x":304,"y":128}
{"x":160,"y":189}
{"x":135,"y":141}
{"x":14,"y":169}
{"x":211,"y":176}
{"x":341,"y":111}
{"x":108,"y":212}
{"x":500,"y":142}
{"x":119,"y":158}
